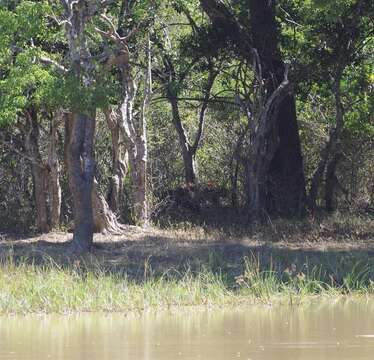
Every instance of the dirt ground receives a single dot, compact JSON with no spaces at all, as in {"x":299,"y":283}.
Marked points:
{"x":334,"y":244}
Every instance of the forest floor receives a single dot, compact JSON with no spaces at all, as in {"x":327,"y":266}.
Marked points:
{"x":191,"y":266}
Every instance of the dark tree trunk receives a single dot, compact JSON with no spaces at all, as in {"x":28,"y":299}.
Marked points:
{"x":286,"y":183}
{"x":54,"y":177}
{"x":81,"y":164}
{"x":39,"y":170}
{"x":189,"y":160}
{"x":81,"y":159}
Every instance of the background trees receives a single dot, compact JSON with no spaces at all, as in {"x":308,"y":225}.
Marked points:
{"x":168,"y":85}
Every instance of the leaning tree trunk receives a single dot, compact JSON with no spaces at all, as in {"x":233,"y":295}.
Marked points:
{"x":188,"y":148}
{"x":286,"y":183}
{"x":188,"y":152}
{"x":263,"y":143}
{"x":39,"y":170}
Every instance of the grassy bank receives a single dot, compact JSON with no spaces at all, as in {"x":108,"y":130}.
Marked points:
{"x":86,"y":286}
{"x":288,"y":262}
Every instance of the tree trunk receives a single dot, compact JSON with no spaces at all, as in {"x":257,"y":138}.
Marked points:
{"x":317,"y":178}
{"x":190,"y":166}
{"x":140,"y":176}
{"x":119,"y":162}
{"x":188,"y":153}
{"x":81,"y":160}
{"x":285,"y":177}
{"x":330,"y":154}
{"x":54,"y":177}
{"x":188,"y":148}
{"x":331,"y":182}
{"x":39,"y":170}
{"x":82,"y":165}
{"x":255,"y":192}
{"x":105,"y":220}
{"x":286,"y":183}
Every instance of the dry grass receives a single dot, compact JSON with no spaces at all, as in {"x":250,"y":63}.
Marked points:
{"x":149,"y":268}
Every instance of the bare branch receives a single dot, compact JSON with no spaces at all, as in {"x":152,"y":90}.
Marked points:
{"x":47,"y":61}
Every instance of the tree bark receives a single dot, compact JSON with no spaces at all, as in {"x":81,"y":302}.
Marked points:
{"x":262,"y":146}
{"x":119,"y":162}
{"x":331,"y":182}
{"x":81,"y":160}
{"x":81,"y":164}
{"x":54,"y":176}
{"x":330,"y":153}
{"x":286,"y":182}
{"x":105,"y":220}
{"x":133,"y":124}
{"x":188,"y":149}
{"x":188,"y":152}
{"x":39,"y":170}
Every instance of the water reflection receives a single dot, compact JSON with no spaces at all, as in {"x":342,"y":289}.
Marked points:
{"x":325,"y":330}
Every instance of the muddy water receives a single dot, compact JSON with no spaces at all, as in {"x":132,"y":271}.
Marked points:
{"x":341,"y":330}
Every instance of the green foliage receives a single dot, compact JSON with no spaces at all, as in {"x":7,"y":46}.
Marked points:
{"x":23,"y":80}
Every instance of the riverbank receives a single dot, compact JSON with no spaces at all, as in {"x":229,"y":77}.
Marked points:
{"x":153,"y":268}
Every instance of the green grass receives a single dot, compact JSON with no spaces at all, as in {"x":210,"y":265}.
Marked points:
{"x":85,"y":286}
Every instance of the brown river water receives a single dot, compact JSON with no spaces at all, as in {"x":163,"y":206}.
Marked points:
{"x":322,"y":330}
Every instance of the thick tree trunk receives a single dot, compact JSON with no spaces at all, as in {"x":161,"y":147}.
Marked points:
{"x":103,"y":219}
{"x":285,"y":176}
{"x":54,"y":177}
{"x":82,"y":165}
{"x":39,"y":170}
{"x":81,"y":160}
{"x":286,"y":183}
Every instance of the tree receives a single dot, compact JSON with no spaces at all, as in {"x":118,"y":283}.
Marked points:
{"x":28,"y":103}
{"x":133,"y":124}
{"x":283,"y":189}
{"x":336,"y":40}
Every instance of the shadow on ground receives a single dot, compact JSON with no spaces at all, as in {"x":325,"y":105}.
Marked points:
{"x":333,"y":248}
